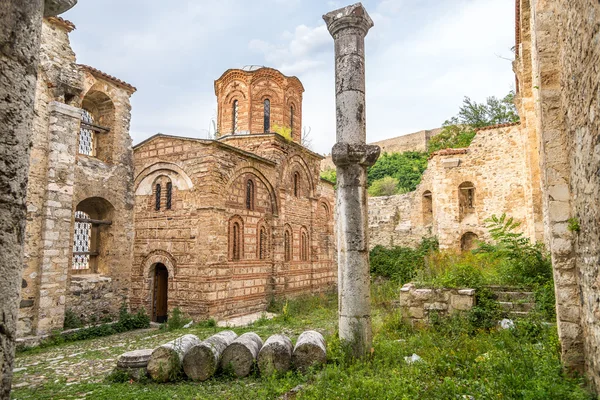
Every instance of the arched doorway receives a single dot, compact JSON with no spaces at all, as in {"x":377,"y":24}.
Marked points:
{"x":160,"y":296}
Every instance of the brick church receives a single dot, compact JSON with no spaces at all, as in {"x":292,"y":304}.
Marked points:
{"x":222,"y":226}
{"x":217,"y":227}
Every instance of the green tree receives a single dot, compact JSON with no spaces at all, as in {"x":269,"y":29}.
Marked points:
{"x":330,"y":175}
{"x":459,"y":131}
{"x":407,"y":168}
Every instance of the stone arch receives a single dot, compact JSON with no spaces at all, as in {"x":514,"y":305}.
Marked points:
{"x":144,"y":180}
{"x":294,"y":164}
{"x":99,"y":111}
{"x":248,"y":169}
{"x":267,"y":93}
{"x":468,"y":241}
{"x":158,"y":257}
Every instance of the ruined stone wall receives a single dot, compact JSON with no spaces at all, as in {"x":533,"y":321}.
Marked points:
{"x":62,"y":181}
{"x":94,"y":297}
{"x":416,"y":304}
{"x":194,"y":238}
{"x":494,"y":166}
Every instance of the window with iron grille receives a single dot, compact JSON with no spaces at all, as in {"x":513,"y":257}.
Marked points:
{"x":234,"y":117}
{"x":82,"y":241}
{"x":87,"y":142}
{"x":169,"y":195}
{"x":287,"y":247}
{"x":267,"y":115}
{"x":250,"y":195}
{"x":262,"y":244}
{"x":157,"y":197}
{"x":236,"y":241}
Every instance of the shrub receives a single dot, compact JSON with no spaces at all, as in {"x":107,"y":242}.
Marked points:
{"x":176,"y":320}
{"x":330,"y":175}
{"x":386,"y":186}
{"x":401,"y":263}
{"x":72,"y":320}
{"x":407,"y":168}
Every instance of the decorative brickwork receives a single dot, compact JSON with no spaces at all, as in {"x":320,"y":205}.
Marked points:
{"x":239,"y":232}
{"x":254,"y":100}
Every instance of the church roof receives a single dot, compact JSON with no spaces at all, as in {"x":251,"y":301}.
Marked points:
{"x":110,"y":78}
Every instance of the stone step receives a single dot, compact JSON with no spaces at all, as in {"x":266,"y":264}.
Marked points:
{"x":514,"y":296}
{"x":516,"y":306}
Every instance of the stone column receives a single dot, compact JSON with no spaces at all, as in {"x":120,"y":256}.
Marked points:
{"x":57,"y":227}
{"x":352,"y":156}
{"x":20,"y":32}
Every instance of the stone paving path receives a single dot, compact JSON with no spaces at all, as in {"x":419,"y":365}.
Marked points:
{"x":91,"y":360}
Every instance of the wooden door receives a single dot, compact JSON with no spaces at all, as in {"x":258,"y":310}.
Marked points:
{"x":161,"y":286}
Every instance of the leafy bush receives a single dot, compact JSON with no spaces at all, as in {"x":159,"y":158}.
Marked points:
{"x":522,"y":262}
{"x":451,"y":137}
{"x":330,"y":175}
{"x":457,"y":270}
{"x":401,"y":263}
{"x":386,"y":186}
{"x":176,"y":320}
{"x":72,"y":320}
{"x":406,"y":167}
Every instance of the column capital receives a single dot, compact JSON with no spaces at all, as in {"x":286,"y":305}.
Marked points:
{"x":344,"y":154}
{"x":52,"y":8}
{"x":349,"y":17}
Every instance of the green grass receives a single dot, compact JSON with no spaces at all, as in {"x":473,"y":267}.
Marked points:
{"x":519,"y":364}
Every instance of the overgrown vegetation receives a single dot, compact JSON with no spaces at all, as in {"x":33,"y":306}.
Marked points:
{"x":407,"y":168}
{"x":459,"y":131}
{"x":460,"y":359}
{"x":176,"y":320}
{"x":401,"y":263}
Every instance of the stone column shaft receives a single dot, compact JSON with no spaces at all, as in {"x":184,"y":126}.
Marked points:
{"x":352,"y":156}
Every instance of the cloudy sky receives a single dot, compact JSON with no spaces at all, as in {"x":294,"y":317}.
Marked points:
{"x":423,"y":57}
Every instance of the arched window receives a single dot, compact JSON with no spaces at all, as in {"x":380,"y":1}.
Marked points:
{"x":292,"y":120}
{"x":468,"y":241}
{"x":287,"y":245}
{"x":169,"y":195}
{"x":236,"y":238}
{"x":87,"y":137}
{"x":304,"y":246}
{"x":234,"y":117}
{"x":92,"y":236}
{"x":267,"y":115}
{"x":466,"y":199}
{"x":157,"y":197}
{"x":427,"y":208}
{"x":249,"y":195}
{"x":296,"y":183}
{"x":263,"y":244}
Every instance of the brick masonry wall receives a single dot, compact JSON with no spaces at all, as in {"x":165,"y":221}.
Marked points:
{"x":193,"y":238}
{"x":495,"y":164}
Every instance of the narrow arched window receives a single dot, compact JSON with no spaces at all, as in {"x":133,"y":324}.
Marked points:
{"x":466,"y":199}
{"x":250,"y":195}
{"x":427,"y":208}
{"x":304,"y":246}
{"x":234,"y":117}
{"x":262,"y":243}
{"x":157,"y":197}
{"x":292,"y":120}
{"x":169,"y":195}
{"x":296,"y":183}
{"x":287,"y":246}
{"x":267,"y":115}
{"x":236,"y":241}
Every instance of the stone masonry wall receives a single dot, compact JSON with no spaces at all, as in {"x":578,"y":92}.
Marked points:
{"x":417,"y":304}
{"x":62,"y":181}
{"x":579,"y":41}
{"x":93,"y":297}
{"x":494,"y":165}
